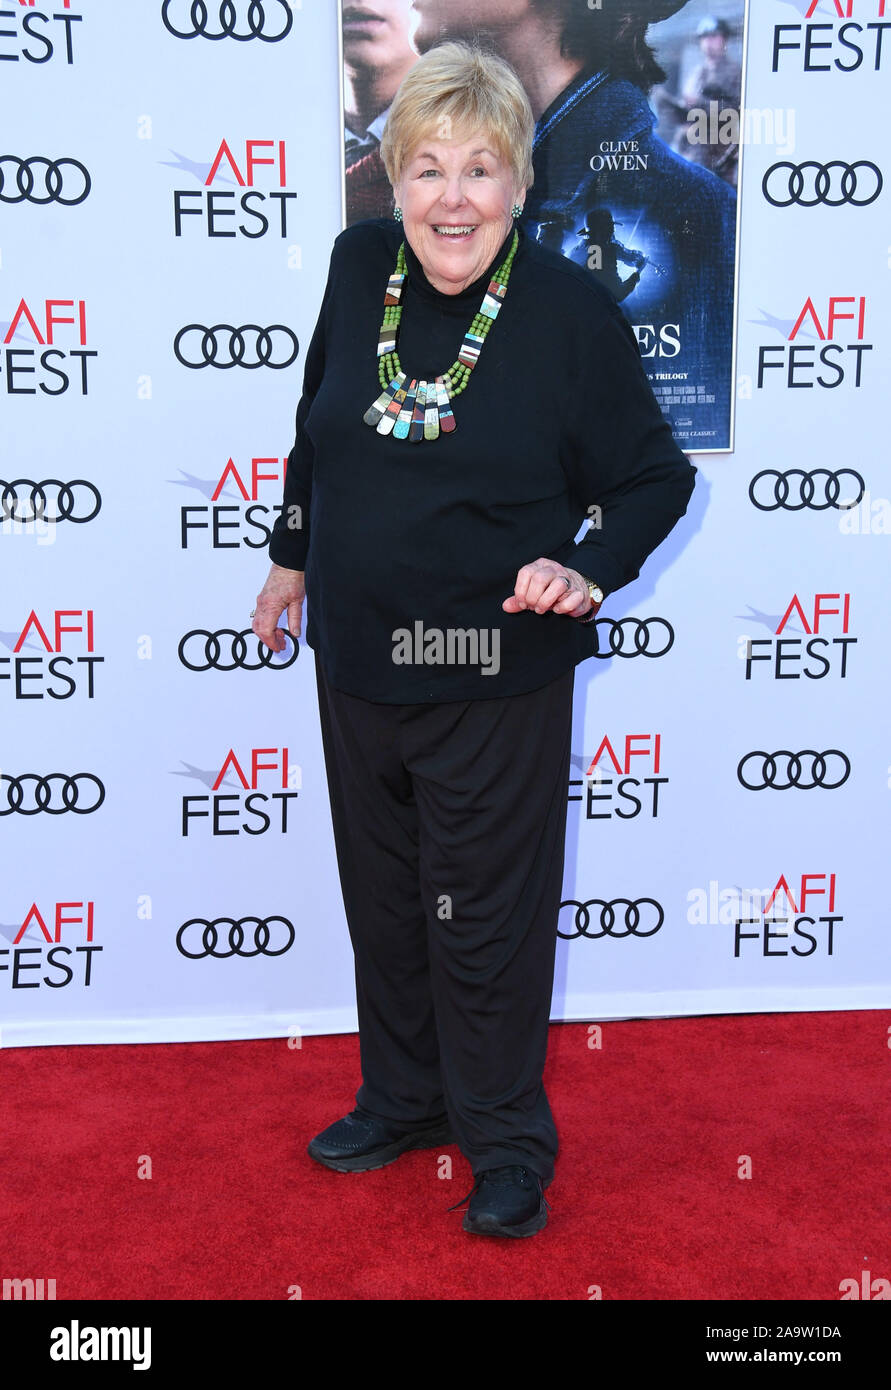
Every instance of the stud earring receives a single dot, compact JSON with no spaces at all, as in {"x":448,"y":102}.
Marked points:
{"x":397,"y":213}
{"x":516,"y":210}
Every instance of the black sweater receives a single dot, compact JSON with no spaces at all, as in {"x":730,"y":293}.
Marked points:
{"x":402,"y":541}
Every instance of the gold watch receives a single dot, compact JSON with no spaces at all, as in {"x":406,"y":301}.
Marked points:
{"x":596,"y":595}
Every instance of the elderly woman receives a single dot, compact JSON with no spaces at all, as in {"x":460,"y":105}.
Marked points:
{"x":469,"y":399}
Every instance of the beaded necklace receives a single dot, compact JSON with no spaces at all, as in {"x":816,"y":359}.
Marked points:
{"x":421,"y":409}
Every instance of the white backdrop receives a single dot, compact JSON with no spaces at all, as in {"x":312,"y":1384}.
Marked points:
{"x":96,"y":704}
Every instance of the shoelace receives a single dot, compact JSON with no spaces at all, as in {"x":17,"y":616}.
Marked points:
{"x":499,"y":1177}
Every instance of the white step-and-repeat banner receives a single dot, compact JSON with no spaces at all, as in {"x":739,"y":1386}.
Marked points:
{"x":170,"y":186}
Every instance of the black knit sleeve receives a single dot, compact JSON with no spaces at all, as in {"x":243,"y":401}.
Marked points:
{"x":632,"y":479}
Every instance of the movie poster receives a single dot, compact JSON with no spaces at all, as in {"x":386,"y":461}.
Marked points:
{"x":636,"y":155}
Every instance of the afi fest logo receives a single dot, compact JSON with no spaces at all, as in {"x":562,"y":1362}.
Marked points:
{"x":781,"y":926}
{"x":27,"y":966}
{"x":53,"y":673}
{"x":243,"y":521}
{"x":218,"y":209}
{"x":62,"y":364}
{"x":226,"y":812}
{"x":854,"y":40}
{"x":43,"y":36}
{"x":814,"y":655}
{"x":622,"y":778}
{"x":802,"y":366}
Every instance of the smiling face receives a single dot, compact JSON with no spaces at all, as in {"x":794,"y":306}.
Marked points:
{"x":456,"y":198}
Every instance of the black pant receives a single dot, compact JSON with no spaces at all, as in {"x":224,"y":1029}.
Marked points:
{"x":449,"y":824}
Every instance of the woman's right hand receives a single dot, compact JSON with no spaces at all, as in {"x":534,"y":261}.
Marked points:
{"x":284,"y":589}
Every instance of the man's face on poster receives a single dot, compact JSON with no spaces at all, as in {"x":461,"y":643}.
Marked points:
{"x":453,"y":19}
{"x":376,"y":32}
{"x":713,"y":45}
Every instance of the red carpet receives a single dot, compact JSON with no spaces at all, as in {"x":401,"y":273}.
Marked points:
{"x":646,"y":1204}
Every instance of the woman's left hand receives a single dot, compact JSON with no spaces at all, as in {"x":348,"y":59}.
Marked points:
{"x":543,"y":588}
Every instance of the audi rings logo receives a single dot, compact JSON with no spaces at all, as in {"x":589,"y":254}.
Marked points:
{"x":783,"y":770}
{"x":634,"y":636}
{"x":270,"y":28}
{"x":806,"y":493}
{"x":632,"y":922}
{"x":785,"y":184}
{"x":23,"y":500}
{"x":71,"y":794}
{"x":76,"y":186}
{"x":235,"y":942}
{"x":211,"y":651}
{"x":235,"y":347}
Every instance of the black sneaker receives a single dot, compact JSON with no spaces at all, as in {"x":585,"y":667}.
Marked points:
{"x":360,"y":1142}
{"x":506,"y":1201}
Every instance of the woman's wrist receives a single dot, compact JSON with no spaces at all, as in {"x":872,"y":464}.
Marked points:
{"x":596,"y":597}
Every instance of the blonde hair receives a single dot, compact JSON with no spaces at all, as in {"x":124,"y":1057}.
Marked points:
{"x":462,"y":86}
